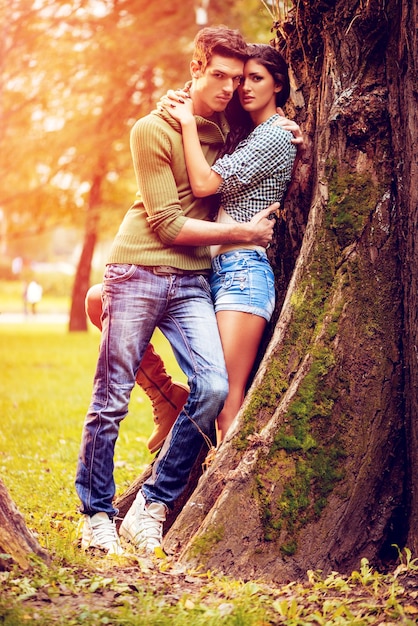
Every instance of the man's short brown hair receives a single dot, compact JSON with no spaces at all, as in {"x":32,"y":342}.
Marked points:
{"x":218,"y":40}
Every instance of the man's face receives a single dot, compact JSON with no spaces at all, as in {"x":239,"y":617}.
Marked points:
{"x":212,"y":89}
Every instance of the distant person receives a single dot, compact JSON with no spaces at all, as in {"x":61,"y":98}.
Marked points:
{"x":32,"y":296}
{"x":17,"y":266}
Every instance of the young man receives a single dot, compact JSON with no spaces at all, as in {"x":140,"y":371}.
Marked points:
{"x":157,"y":277}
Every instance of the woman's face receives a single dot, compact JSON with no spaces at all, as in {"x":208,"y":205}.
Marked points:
{"x":257,"y":90}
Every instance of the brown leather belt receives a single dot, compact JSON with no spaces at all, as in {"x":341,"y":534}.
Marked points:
{"x":167,"y":270}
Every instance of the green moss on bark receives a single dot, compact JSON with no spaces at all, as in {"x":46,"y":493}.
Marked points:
{"x":205,"y":542}
{"x":352,"y":198}
{"x":307,"y":458}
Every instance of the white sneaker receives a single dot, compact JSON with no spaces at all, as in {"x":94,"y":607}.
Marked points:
{"x":99,"y":531}
{"x":143,"y":524}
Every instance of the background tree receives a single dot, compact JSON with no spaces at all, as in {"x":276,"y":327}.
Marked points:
{"x":17,"y":543}
{"x":74,"y":79}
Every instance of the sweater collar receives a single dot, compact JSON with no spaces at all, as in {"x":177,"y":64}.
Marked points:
{"x":211,"y":131}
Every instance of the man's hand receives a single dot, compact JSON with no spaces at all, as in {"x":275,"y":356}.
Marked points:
{"x":261,"y":226}
{"x":291,"y":126}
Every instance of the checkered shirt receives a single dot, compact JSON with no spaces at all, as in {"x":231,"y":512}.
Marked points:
{"x":257,"y":173}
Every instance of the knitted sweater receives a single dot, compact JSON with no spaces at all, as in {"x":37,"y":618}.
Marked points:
{"x":165,"y":199}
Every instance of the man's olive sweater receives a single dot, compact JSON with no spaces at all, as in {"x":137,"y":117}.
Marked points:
{"x":165,"y":198}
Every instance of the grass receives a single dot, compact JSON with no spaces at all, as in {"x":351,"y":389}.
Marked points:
{"x":45,"y":384}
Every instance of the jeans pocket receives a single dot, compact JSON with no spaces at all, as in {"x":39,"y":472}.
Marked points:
{"x":204,"y":282}
{"x":119,"y":273}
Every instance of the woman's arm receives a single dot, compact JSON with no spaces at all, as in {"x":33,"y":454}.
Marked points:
{"x":203,"y":180}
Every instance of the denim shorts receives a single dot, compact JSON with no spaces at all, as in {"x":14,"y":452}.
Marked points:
{"x":243,"y":280}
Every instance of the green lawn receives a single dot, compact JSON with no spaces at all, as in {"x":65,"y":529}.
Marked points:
{"x":46,"y":378}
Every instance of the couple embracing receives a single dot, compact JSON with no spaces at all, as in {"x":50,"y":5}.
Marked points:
{"x":212,"y":164}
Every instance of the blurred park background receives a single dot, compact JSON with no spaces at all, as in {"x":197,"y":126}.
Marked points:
{"x":74,"y":78}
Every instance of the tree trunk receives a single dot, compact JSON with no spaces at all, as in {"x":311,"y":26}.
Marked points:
{"x":321,"y":467}
{"x":402,"y":62}
{"x":17,"y":544}
{"x":78,"y":320}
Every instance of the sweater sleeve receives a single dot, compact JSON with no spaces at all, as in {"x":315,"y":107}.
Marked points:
{"x":152,"y":157}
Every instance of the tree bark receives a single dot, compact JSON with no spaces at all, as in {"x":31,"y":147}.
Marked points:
{"x":78,"y":320}
{"x":17,"y":544}
{"x":402,"y":64}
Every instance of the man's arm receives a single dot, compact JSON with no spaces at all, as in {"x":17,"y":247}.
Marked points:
{"x":297,"y":140}
{"x":182,"y":95}
{"x":149,"y":145}
{"x":259,"y":231}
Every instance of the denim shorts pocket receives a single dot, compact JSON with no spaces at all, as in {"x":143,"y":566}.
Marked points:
{"x":228,"y":279}
{"x":118,"y":273}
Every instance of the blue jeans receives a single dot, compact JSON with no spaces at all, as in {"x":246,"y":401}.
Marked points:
{"x":135,"y":302}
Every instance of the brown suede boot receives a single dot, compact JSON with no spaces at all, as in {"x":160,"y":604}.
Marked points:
{"x":167,"y":397}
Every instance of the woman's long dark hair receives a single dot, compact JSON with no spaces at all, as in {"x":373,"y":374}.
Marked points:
{"x":239,"y":120}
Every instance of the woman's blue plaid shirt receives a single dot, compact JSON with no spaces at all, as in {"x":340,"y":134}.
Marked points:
{"x":258,"y":172}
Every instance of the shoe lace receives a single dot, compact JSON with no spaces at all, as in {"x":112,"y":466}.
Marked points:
{"x":105,"y":532}
{"x":210,"y":458}
{"x":152,"y":525}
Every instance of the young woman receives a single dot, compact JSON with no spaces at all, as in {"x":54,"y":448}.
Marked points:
{"x":254,"y":174}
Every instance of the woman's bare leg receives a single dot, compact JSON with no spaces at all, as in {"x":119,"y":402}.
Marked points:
{"x":241,"y":335}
